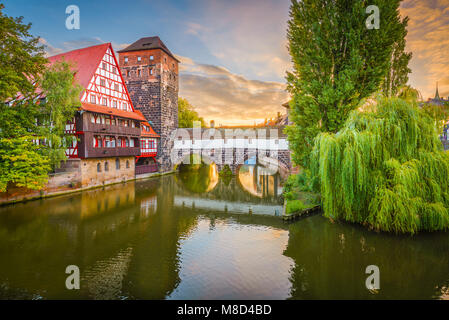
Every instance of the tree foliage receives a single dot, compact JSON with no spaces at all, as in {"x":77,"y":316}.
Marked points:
{"x":61,"y":102}
{"x":386,"y":169}
{"x":187,"y":114}
{"x":32,"y":136}
{"x":21,"y":57}
{"x":337,"y":62}
{"x":398,"y":70}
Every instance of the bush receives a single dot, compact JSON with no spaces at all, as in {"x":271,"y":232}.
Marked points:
{"x":385,"y":169}
{"x":293,"y":206}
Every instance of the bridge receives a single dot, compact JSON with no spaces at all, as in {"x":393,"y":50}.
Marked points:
{"x":234,"y":147}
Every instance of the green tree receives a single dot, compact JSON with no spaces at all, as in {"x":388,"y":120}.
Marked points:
{"x":337,"y":62}
{"x":386,"y":169}
{"x":61,"y":103}
{"x":187,"y":114}
{"x":32,"y":137}
{"x":21,"y":57}
{"x":397,"y":75}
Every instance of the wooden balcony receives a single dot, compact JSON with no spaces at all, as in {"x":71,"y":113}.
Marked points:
{"x":112,"y":152}
{"x":147,"y":168}
{"x":110,"y":129}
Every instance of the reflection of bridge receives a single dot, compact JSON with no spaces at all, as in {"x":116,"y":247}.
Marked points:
{"x":233,"y":146}
{"x":229,"y":198}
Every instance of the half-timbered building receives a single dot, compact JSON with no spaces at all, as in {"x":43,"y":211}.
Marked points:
{"x":106,"y":128}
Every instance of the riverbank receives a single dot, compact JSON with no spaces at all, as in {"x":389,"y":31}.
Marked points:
{"x":24,"y":195}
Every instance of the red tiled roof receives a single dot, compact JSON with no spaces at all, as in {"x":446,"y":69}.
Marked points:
{"x":150,"y":133}
{"x":145,"y":133}
{"x":85,"y":60}
{"x":112,"y":111}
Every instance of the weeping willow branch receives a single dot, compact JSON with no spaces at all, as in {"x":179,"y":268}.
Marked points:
{"x":385,"y":169}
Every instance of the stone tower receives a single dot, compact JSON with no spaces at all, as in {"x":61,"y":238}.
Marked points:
{"x":150,"y":72}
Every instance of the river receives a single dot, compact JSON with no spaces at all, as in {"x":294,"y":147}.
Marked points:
{"x":194,"y":235}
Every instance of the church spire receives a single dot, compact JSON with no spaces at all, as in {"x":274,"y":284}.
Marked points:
{"x":437,"y":96}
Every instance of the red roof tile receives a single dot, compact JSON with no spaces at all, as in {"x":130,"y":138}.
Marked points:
{"x":85,"y":60}
{"x":112,"y":111}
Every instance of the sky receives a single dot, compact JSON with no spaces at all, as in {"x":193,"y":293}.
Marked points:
{"x":233,"y":53}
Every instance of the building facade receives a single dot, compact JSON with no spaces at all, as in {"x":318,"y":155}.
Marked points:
{"x":106,"y":129}
{"x":150,"y":72}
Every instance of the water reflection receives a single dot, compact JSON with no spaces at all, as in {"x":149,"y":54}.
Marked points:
{"x":158,"y":239}
{"x":198,"y":178}
{"x":260,"y":181}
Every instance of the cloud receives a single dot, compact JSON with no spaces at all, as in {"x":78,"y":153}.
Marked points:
{"x":248,"y":36}
{"x":229,"y":98}
{"x":77,"y":44}
{"x":428,"y":39}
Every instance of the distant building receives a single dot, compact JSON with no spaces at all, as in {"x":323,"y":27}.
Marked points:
{"x":150,"y":71}
{"x":437,"y":100}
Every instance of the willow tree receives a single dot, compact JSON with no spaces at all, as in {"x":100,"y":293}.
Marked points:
{"x":337,"y":62}
{"x":386,"y":169}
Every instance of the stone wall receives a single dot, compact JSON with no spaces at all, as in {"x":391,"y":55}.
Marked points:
{"x":153,"y":86}
{"x":108,"y":172}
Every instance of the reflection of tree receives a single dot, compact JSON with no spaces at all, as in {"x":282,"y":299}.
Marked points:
{"x":198,"y":178}
{"x":331,"y":260}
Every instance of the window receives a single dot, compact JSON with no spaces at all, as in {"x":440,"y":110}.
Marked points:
{"x":92,"y":99}
{"x":116,"y":87}
{"x":139,"y":58}
{"x":133,"y":124}
{"x":126,"y":59}
{"x":106,"y":166}
{"x":98,"y":167}
{"x":138,"y":73}
{"x":151,"y":71}
{"x":97,"y":119}
{"x":92,"y":118}
{"x":105,"y":102}
{"x":102,"y":83}
{"x":97,"y":142}
{"x":117,"y":164}
{"x":131,"y":143}
{"x":151,"y":58}
{"x":127,"y":164}
{"x":114,"y":70}
{"x":127,"y":73}
{"x":114,"y":103}
{"x":125,"y":122}
{"x":104,"y":66}
{"x":126,"y":142}
{"x":102,"y":119}
{"x":125,"y":106}
{"x":109,"y":142}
